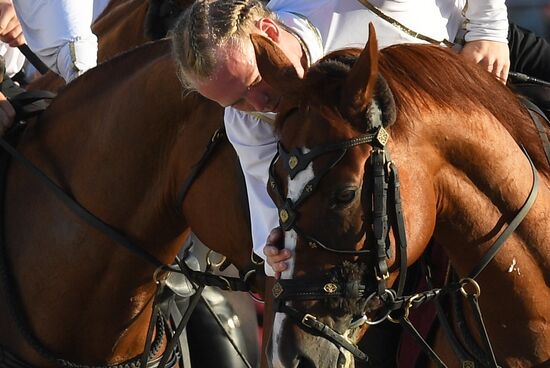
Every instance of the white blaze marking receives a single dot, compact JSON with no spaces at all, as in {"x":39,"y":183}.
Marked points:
{"x":295,"y":188}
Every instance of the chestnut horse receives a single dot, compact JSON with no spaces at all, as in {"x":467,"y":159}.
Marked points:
{"x":454,"y":134}
{"x":123,"y":154}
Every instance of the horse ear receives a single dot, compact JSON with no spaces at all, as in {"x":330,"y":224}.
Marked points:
{"x":361,"y":81}
{"x":275,"y":67}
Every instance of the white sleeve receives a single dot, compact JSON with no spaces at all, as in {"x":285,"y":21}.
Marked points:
{"x":13,"y":58}
{"x":255,"y":144}
{"x":58,"y":31}
{"x":486,"y":20}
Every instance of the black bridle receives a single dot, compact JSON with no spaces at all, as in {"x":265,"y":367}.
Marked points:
{"x":382,"y":199}
{"x":382,"y":185}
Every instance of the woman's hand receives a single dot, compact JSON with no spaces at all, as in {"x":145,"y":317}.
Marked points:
{"x":275,"y":254}
{"x":491,"y":55}
{"x":10,"y":29}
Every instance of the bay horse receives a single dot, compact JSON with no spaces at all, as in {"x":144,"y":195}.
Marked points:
{"x":120,"y":140}
{"x":454,"y":135}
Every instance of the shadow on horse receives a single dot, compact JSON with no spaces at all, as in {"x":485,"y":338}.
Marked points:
{"x":123,"y":155}
{"x":380,"y":152}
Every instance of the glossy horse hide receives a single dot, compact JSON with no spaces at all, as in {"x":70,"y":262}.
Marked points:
{"x":123,"y":155}
{"x":123,"y":25}
{"x":453,"y":134}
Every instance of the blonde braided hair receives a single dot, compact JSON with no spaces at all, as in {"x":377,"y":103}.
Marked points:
{"x":208,"y":25}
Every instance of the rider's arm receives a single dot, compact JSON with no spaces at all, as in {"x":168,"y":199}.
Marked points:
{"x":59,"y":33}
{"x":10,"y":29}
{"x":255,"y":143}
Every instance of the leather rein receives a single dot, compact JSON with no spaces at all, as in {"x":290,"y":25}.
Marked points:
{"x":198,"y":278}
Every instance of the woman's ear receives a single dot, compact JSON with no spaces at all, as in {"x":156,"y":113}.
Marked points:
{"x":269,"y":28}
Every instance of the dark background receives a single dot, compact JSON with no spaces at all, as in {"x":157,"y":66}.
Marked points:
{"x":531,"y":14}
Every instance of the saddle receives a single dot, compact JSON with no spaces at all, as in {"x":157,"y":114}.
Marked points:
{"x":535,"y":90}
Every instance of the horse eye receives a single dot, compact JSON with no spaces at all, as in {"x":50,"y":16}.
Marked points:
{"x":345,"y":196}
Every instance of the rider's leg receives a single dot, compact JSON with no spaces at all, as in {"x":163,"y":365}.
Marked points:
{"x":529,"y":53}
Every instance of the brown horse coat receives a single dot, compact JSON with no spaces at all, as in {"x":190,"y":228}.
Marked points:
{"x":121,"y":140}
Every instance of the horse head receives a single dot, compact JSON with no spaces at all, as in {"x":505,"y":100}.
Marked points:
{"x":348,"y":215}
{"x":330,"y":181}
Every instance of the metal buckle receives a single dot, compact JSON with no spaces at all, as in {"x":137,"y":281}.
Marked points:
{"x":386,"y":314}
{"x":473,"y":283}
{"x":406,"y":310}
{"x":385,"y":276}
{"x":308,"y":317}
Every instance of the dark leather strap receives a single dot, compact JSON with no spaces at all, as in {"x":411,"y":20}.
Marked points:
{"x":196,"y":170}
{"x":537,"y":114}
{"x":314,"y":325}
{"x":79,"y":210}
{"x":181,"y":326}
{"x":499,"y":242}
{"x":422,"y":342}
{"x":33,"y":59}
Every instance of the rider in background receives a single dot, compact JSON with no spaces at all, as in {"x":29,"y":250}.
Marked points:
{"x":11,"y":36}
{"x":214,"y":55}
{"x":57,"y":31}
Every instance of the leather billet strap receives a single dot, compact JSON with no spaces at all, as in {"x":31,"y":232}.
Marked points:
{"x":213,"y":143}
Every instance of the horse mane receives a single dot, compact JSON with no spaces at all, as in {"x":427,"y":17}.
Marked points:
{"x":430,"y":78}
{"x":162,"y":15}
{"x":424,"y":78}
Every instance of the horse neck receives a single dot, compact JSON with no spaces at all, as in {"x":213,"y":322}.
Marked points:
{"x":120,"y":27}
{"x":127,"y":130}
{"x":466,"y":130}
{"x":481,"y":180}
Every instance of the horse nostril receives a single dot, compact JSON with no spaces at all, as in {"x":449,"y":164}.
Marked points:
{"x":304,"y":362}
